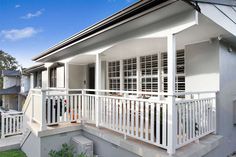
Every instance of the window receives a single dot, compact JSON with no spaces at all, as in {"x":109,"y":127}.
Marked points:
{"x":38,"y":79}
{"x":114,"y":75}
{"x":180,"y":71}
{"x":149,"y":73}
{"x":53,"y":77}
{"x":130,"y":72}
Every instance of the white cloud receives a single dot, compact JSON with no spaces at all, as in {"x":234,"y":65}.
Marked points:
{"x":17,"y":6}
{"x":32,"y":15}
{"x":17,"y":34}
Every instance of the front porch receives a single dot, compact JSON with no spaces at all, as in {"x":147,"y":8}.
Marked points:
{"x":138,"y":118}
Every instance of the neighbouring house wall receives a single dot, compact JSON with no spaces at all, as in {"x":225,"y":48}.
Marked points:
{"x":77,"y":76}
{"x":10,"y":81}
{"x":202,"y":66}
{"x":225,"y":100}
{"x":60,"y":77}
{"x":10,"y":101}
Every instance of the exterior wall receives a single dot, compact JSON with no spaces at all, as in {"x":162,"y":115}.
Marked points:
{"x":54,"y":142}
{"x":78,"y":76}
{"x":25,"y":83}
{"x":106,"y":149}
{"x":10,"y":81}
{"x":44,"y":79}
{"x":202,"y":66}
{"x":32,"y":146}
{"x":226,"y":97}
{"x":31,"y":80}
{"x":10,"y":101}
{"x":60,"y":77}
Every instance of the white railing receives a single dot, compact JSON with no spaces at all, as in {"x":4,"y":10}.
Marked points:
{"x":140,"y":115}
{"x":196,"y":117}
{"x":11,"y":124}
{"x":63,"y":108}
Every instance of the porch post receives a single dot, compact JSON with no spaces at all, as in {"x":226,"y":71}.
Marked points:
{"x":43,"y":112}
{"x":97,"y":86}
{"x":66,"y":68}
{"x":172,"y":131}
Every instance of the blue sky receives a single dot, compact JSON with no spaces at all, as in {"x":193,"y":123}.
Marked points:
{"x":29,"y":27}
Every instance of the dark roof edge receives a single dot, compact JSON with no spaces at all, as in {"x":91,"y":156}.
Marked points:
{"x":126,"y":13}
{"x":35,"y":68}
{"x":218,"y":2}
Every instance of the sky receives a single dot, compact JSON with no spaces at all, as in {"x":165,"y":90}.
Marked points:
{"x":29,"y":27}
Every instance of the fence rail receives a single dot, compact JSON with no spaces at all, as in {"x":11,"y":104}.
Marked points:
{"x":11,"y":124}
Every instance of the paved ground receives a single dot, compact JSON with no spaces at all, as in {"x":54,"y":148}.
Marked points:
{"x":12,"y":142}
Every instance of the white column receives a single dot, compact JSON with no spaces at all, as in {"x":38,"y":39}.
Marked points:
{"x":121,"y":76}
{"x":138,"y":82}
{"x":159,"y":76}
{"x":172,"y":130}
{"x":97,"y":86}
{"x":66,"y":71}
{"x":43,"y":112}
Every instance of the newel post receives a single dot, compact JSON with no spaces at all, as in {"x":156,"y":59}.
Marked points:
{"x":83,"y":106}
{"x":98,"y":87}
{"x":43,"y":110}
{"x":172,"y":123}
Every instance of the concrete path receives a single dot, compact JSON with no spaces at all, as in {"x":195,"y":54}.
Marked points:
{"x":12,"y":142}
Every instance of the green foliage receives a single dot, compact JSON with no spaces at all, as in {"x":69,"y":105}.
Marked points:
{"x":66,"y":151}
{"x":12,"y":153}
{"x":7,"y":62}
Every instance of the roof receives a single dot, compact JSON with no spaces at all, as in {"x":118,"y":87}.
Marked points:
{"x":220,"y":2}
{"x":35,"y":68}
{"x":10,"y":90}
{"x":131,"y":11}
{"x":122,"y":15}
{"x":11,"y":73}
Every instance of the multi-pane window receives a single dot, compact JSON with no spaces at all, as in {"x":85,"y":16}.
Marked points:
{"x":180,"y":71}
{"x":114,"y":75}
{"x":130,"y":74}
{"x":149,"y":73}
{"x":53,"y":77}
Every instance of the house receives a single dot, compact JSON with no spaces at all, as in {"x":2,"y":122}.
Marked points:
{"x":155,"y":79}
{"x":15,"y":89}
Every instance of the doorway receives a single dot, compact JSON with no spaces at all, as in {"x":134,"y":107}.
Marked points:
{"x":91,"y":78}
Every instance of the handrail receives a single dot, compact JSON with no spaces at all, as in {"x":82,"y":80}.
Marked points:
{"x":27,"y":101}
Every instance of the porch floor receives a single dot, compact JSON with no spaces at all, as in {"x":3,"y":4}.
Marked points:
{"x":205,"y":145}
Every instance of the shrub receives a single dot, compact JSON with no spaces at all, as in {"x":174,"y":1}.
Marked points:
{"x":65,"y":151}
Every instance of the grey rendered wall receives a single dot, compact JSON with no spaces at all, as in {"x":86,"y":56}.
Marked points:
{"x":32,"y":146}
{"x":106,"y":149}
{"x":77,"y":76}
{"x":54,"y":142}
{"x":226,"y":96}
{"x":202,"y":66}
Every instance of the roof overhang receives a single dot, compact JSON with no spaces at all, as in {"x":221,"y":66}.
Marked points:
{"x":39,"y":67}
{"x":125,"y":28}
